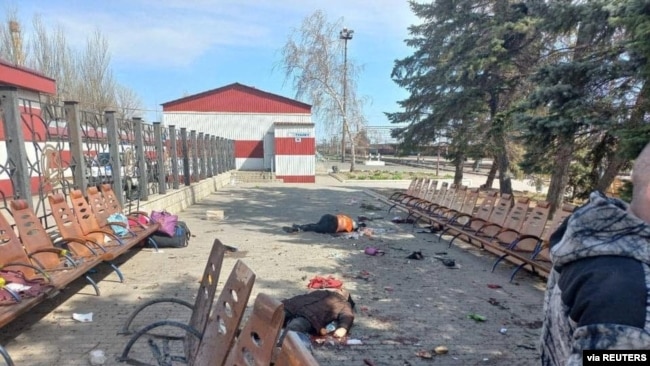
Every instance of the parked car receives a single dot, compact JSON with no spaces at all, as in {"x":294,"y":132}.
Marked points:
{"x":99,"y":170}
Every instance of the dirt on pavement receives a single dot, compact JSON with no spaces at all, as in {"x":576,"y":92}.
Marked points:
{"x":404,"y":307}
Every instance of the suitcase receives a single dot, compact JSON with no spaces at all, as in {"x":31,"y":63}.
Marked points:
{"x":180,"y":239}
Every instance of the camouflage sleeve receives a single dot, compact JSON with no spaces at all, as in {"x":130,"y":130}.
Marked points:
{"x":606,"y":336}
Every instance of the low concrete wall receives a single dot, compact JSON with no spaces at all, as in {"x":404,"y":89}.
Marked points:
{"x":177,"y":200}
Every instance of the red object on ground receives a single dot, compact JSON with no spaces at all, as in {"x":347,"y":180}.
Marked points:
{"x":324,"y":282}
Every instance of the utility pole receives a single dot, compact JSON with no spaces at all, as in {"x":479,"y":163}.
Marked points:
{"x":345,"y":35}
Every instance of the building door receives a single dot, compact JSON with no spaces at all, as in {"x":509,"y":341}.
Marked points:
{"x":269,"y":151}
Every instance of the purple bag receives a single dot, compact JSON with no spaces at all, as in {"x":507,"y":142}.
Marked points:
{"x":166,"y":220}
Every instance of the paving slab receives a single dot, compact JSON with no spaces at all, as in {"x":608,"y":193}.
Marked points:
{"x":403,"y":306}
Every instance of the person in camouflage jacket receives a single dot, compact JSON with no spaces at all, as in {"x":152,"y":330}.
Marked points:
{"x":598,"y":293}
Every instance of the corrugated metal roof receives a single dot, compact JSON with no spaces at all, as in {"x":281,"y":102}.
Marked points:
{"x":237,"y":97}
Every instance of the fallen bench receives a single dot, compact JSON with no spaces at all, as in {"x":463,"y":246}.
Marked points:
{"x":212,"y":336}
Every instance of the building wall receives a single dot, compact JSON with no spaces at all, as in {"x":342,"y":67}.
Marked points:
{"x":295,"y":149}
{"x":247,"y":129}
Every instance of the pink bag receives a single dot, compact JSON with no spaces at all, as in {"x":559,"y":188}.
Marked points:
{"x":166,"y":220}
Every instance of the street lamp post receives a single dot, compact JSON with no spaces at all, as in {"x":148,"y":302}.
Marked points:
{"x":345,"y":35}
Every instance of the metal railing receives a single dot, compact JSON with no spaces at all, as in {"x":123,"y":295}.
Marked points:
{"x":50,"y":147}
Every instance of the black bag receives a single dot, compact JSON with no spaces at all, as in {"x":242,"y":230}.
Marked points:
{"x":180,"y":239}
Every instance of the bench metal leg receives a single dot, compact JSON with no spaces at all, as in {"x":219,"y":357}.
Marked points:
{"x":496,"y":263}
{"x":153,"y":243}
{"x":6,"y":357}
{"x":92,"y":283}
{"x":127,"y":324}
{"x":117,"y":271}
{"x":514,"y":272}
{"x":163,"y":358}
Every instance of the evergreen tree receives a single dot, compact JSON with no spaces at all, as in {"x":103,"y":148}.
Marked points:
{"x":468,"y":64}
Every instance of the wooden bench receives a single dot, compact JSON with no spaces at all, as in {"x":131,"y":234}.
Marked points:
{"x":213,"y":336}
{"x":104,"y":204}
{"x":226,"y":312}
{"x":533,"y":251}
{"x":36,"y":257}
{"x":294,"y":353}
{"x":66,"y":259}
{"x":14,"y":258}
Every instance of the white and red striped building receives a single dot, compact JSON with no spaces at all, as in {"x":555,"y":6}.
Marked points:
{"x":271,"y":132}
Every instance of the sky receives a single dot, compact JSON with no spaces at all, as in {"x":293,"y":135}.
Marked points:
{"x":167,"y":49}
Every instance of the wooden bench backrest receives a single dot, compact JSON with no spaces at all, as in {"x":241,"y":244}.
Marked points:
{"x":536,"y":220}
{"x":450,"y":194}
{"x":97,"y":204}
{"x":83,"y":212}
{"x":294,"y":352}
{"x":111,"y":203}
{"x":431,"y":192}
{"x":35,"y":239}
{"x":471,"y":197}
{"x":224,"y":320}
{"x":411,"y":188}
{"x":458,"y":199}
{"x":424,"y":189}
{"x":205,"y":295}
{"x":64,"y":217}
{"x":558,"y":218}
{"x":440,"y":194}
{"x":12,"y":251}
{"x":517,"y":214}
{"x":416,"y":187}
{"x":487,"y":206}
{"x":257,"y":339}
{"x":501,"y":209}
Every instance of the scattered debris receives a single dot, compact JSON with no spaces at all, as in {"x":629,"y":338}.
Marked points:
{"x":399,"y":220}
{"x":441,"y":350}
{"x":416,"y":255}
{"x":354,"y":342}
{"x":373,"y":251}
{"x":97,"y":357}
{"x":230,"y":248}
{"x":368,"y":362}
{"x":352,"y":201}
{"x":493,"y":286}
{"x":446,"y":261}
{"x":424,"y":354}
{"x":370,"y":207}
{"x":476,"y":317}
{"x":215,"y":215}
{"x":503,"y":330}
{"x":527,"y":346}
{"x":496,"y":302}
{"x":84,"y":318}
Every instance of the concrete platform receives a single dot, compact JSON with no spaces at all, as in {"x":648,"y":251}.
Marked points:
{"x":402,"y":306}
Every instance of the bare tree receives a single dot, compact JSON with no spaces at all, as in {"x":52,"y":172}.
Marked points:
{"x":127,"y":102}
{"x":52,"y":56}
{"x":97,"y":89}
{"x":81,"y":75}
{"x":12,"y":45}
{"x":313,"y":60}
